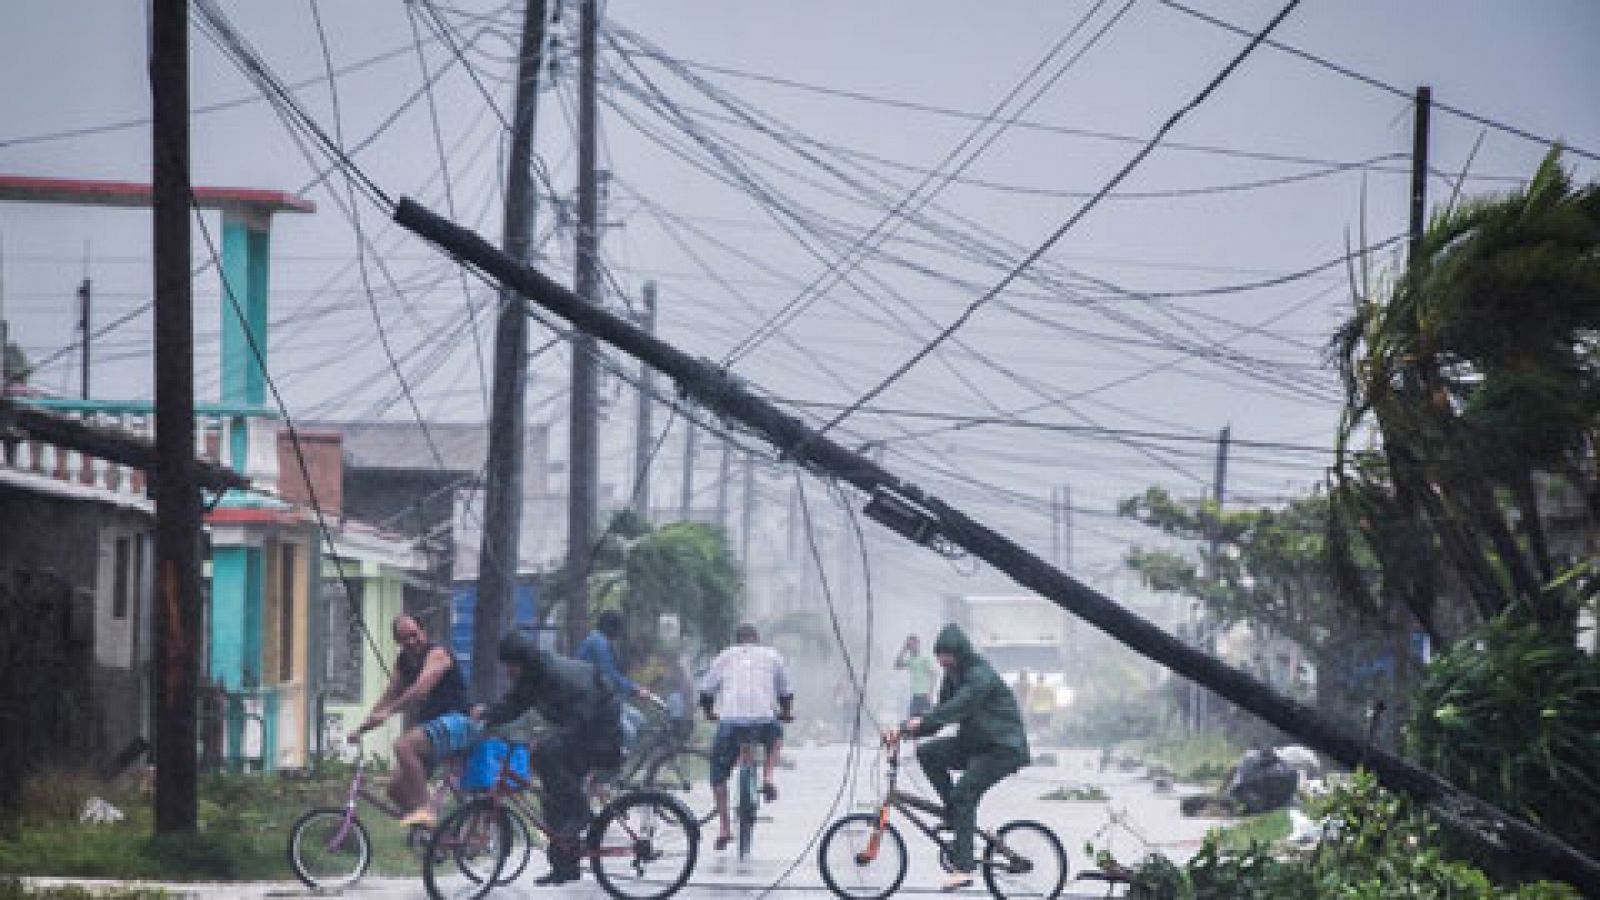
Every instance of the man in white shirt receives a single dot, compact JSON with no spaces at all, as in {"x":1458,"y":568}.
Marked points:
{"x":747,"y":689}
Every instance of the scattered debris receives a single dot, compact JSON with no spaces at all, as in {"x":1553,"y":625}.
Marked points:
{"x":98,"y":812}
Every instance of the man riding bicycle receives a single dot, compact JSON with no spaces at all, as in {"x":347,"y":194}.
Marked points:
{"x":749,"y":684}
{"x":989,"y":744}
{"x":427,"y":686}
{"x":586,"y":734}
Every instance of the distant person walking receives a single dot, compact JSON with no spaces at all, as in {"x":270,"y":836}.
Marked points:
{"x":1041,"y":706}
{"x":921,"y":670}
{"x":1021,"y":689}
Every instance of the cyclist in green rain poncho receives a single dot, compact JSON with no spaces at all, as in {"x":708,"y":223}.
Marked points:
{"x":989,"y":744}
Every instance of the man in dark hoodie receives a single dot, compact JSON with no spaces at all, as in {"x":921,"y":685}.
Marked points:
{"x":990,"y":741}
{"x":586,"y":734}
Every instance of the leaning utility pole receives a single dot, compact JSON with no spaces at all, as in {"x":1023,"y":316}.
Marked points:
{"x":927,"y":520}
{"x":643,"y":440}
{"x":582,"y":481}
{"x":499,"y":551}
{"x":173,"y":487}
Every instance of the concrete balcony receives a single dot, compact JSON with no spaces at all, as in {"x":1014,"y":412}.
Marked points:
{"x":238,"y":438}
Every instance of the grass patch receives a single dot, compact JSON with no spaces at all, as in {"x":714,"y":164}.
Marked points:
{"x":1266,"y":828}
{"x":1194,"y":759}
{"x":243,"y":832}
{"x":14,"y":889}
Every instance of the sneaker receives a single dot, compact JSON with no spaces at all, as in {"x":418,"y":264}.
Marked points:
{"x":421,"y":817}
{"x":956,"y":882}
{"x":769,"y":792}
{"x":557,"y":876}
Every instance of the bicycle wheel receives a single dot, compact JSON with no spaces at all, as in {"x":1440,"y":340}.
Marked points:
{"x":326,"y":852}
{"x":685,"y":773}
{"x":644,"y":846}
{"x":747,"y":808}
{"x":467,"y":851}
{"x":519,"y":851}
{"x":1031,"y":863}
{"x":860,"y":862}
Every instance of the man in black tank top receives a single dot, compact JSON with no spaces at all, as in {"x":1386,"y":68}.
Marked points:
{"x":428,"y":688}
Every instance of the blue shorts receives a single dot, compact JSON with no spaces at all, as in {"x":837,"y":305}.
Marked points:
{"x":450,"y":734}
{"x":725,"y":746}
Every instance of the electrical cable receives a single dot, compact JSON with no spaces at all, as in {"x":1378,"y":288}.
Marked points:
{"x":915,"y":106}
{"x":1071,"y":221}
{"x":1370,"y":81}
{"x":357,"y":616}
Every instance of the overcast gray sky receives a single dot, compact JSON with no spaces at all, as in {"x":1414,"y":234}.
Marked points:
{"x":756,"y":145}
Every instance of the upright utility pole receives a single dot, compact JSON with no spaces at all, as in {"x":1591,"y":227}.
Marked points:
{"x":583,"y":450}
{"x":1419,"y":170}
{"x":174,"y":487}
{"x":748,"y":514}
{"x":84,"y":292}
{"x":643,"y":437}
{"x":499,"y":550}
{"x":724,"y":478}
{"x":1203,"y":626}
{"x":686,"y":496}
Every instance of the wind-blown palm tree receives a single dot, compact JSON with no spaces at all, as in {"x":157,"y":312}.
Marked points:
{"x":1474,"y":376}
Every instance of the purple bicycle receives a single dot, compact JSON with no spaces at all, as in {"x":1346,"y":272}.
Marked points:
{"x":330,"y":848}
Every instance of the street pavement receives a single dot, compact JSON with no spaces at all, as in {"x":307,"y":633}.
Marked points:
{"x":1136,"y":820}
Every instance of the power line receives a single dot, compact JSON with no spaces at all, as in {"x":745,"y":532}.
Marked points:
{"x":1373,"y":164}
{"x":1382,"y":85}
{"x":1072,"y":221}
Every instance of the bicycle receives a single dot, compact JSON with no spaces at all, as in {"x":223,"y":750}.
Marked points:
{"x":663,"y":759}
{"x":642,"y":846}
{"x":330,"y":848}
{"x":749,"y":803}
{"x":863,"y":856}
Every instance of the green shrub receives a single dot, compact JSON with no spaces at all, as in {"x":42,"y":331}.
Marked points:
{"x":1513,"y":715}
{"x":1377,"y":847}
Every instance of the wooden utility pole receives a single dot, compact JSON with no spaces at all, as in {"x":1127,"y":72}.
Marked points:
{"x":1203,"y":633}
{"x":85,"y":292}
{"x":1419,"y":171}
{"x":643,"y":438}
{"x":686,"y":496}
{"x":582,"y":482}
{"x":748,"y":514}
{"x":173,"y":487}
{"x":922,"y":517}
{"x":724,"y":479}
{"x":499,"y":550}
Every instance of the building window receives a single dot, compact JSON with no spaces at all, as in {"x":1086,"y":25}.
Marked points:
{"x":121,"y":577}
{"x":286,"y":596}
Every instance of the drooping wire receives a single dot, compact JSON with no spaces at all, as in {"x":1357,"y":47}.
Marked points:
{"x":357,"y":615}
{"x":1370,"y":81}
{"x":1072,"y":221}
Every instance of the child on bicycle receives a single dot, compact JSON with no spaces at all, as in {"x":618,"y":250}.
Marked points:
{"x":990,"y":741}
{"x":749,"y":683}
{"x":586,"y":734}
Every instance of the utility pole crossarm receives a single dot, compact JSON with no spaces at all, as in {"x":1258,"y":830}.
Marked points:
{"x":714,"y":388}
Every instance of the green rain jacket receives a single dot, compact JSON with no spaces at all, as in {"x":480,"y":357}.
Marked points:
{"x":974,"y":698}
